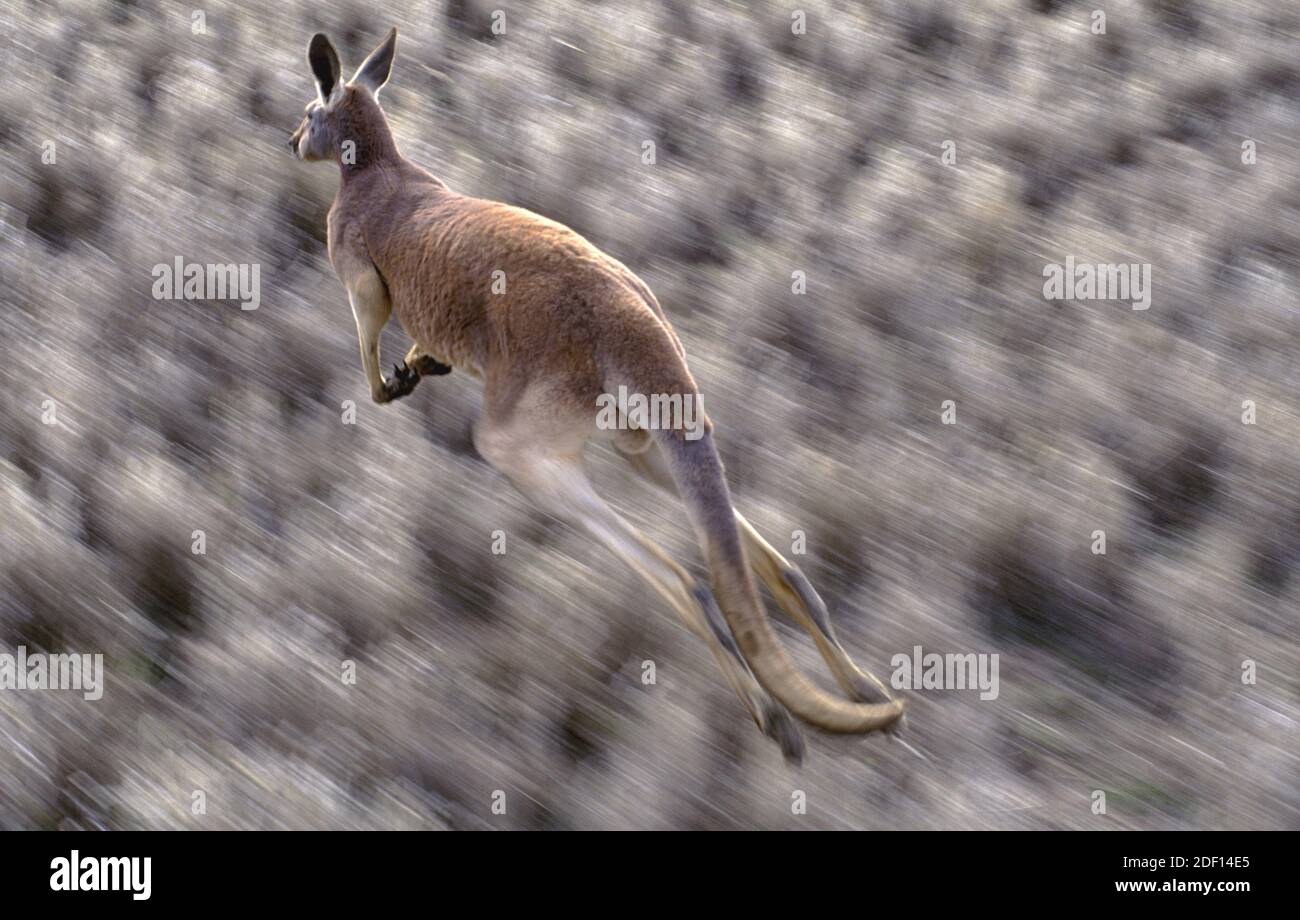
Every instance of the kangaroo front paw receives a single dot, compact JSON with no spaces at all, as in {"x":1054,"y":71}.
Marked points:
{"x":427,"y":366}
{"x":400,"y":384}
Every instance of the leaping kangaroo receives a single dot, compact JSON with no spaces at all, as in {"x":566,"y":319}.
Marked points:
{"x":570,"y":325}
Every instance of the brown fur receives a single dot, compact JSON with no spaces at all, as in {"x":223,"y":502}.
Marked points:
{"x":572,"y":323}
{"x":569,"y":314}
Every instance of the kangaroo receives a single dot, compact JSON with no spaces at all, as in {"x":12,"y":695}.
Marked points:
{"x":549,"y":324}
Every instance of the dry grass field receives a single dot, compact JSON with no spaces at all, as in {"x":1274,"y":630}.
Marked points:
{"x":1164,"y":673}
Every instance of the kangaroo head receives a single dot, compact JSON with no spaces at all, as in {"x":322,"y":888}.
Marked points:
{"x":343,"y":112}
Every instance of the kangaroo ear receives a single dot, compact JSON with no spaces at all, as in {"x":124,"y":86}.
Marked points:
{"x":374,"y":70}
{"x":324,"y":61}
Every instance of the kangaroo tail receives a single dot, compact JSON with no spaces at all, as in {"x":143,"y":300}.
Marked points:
{"x":697,"y":470}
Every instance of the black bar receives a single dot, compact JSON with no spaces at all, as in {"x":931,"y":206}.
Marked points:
{"x":299,"y":869}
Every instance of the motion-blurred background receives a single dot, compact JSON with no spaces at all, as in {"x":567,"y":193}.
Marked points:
{"x":775,"y":153}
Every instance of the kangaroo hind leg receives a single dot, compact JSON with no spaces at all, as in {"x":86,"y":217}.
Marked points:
{"x":557,"y":483}
{"x":792,"y":590}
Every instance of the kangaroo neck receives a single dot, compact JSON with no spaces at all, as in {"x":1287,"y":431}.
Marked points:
{"x":377,"y":154}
